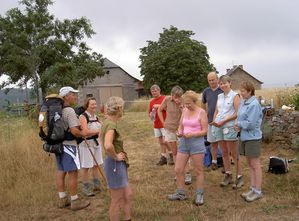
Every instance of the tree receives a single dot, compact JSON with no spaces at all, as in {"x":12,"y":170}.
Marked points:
{"x":175,"y":59}
{"x":36,"y":47}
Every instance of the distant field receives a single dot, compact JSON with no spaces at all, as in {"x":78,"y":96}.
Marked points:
{"x":28,"y":188}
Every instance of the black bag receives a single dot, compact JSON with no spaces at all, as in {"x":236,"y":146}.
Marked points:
{"x":278,"y":165}
{"x":51,"y":124}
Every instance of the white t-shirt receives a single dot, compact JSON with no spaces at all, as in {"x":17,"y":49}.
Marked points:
{"x":225,"y":106}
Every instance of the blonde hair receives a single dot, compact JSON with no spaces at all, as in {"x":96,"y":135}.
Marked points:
{"x":113,"y":105}
{"x":225,"y":78}
{"x":192,"y":95}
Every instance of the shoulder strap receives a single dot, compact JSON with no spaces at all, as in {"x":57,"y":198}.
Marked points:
{"x":86,"y":116}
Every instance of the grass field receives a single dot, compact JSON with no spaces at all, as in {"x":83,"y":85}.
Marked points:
{"x":28,"y":187}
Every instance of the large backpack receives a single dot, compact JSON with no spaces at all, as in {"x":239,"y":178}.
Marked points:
{"x":51,"y":126}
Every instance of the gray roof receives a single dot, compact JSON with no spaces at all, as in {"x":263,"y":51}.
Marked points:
{"x":231,"y":71}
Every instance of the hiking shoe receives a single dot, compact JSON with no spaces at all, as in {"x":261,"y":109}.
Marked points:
{"x":227,"y":180}
{"x":198,"y":199}
{"x":188,"y":178}
{"x":177,"y":196}
{"x":63,"y":202}
{"x":170,"y":160}
{"x":245,"y":194}
{"x":79,"y":203}
{"x":253,"y":196}
{"x":162,"y":161}
{"x":87,"y":189}
{"x":239,"y":183}
{"x":214,"y":166}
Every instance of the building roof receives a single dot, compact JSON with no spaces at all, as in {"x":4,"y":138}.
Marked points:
{"x":110,"y":65}
{"x":231,"y":71}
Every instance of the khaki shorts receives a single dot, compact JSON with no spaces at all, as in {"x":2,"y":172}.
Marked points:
{"x":159,"y":132}
{"x":224,"y":133}
{"x":250,"y":148}
{"x":170,"y":136}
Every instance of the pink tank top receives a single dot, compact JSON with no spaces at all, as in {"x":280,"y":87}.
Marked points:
{"x":192,"y":125}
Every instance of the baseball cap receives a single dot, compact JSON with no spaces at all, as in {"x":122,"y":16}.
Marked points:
{"x":65,"y":90}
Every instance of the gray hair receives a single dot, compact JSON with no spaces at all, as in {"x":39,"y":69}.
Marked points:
{"x":177,"y":91}
{"x":114,"y":104}
{"x":155,"y":87}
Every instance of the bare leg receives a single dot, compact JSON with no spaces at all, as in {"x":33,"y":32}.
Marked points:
{"x":214,"y":150}
{"x":257,"y":172}
{"x":197,"y":160}
{"x":84,"y":174}
{"x":128,"y":195}
{"x":251,"y":172}
{"x":232,"y":147}
{"x":225,"y":156}
{"x":180,"y":165}
{"x":115,"y":205}
{"x":73,"y":182}
{"x":60,"y":180}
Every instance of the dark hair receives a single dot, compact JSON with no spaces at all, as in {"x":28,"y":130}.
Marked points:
{"x":248,"y":86}
{"x":86,"y":102}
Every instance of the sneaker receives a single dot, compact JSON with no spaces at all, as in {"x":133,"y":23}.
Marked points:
{"x":253,"y":196}
{"x":239,"y":183}
{"x":214,"y":166}
{"x":63,"y":202}
{"x":79,"y":204}
{"x":227,"y":180}
{"x":162,"y":161}
{"x":87,"y":189}
{"x":170,"y":160}
{"x":198,"y":199}
{"x":245,"y":194}
{"x":188,"y":178}
{"x":177,"y":196}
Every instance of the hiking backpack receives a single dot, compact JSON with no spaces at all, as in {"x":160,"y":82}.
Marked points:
{"x":278,"y":165}
{"x":51,"y":126}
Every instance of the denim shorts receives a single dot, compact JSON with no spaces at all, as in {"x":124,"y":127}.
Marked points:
{"x":224,"y":133}
{"x":193,"y":145}
{"x":116,"y":173}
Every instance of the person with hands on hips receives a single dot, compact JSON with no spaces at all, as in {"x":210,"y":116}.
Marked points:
{"x":193,"y":127}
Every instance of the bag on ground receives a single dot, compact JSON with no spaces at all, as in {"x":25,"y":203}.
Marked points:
{"x":278,"y":165}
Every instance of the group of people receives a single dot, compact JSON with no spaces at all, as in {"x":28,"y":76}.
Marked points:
{"x":182,"y":127}
{"x":95,"y":135}
{"x":225,"y":119}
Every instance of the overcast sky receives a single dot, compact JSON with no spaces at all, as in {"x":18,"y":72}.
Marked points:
{"x":263,"y":35}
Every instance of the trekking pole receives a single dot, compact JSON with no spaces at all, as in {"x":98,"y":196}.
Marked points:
{"x":98,"y":166}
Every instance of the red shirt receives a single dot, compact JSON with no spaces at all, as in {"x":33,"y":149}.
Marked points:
{"x":159,"y":100}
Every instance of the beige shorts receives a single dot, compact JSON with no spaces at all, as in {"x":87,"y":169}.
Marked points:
{"x":86,"y":158}
{"x":170,"y":136}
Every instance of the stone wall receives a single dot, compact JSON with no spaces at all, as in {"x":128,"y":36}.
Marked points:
{"x":285,"y":128}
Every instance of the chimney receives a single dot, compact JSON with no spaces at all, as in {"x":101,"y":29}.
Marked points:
{"x":235,"y":66}
{"x":241,"y":66}
{"x":227,"y":70}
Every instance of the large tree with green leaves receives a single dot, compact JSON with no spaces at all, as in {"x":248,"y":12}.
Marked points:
{"x":175,"y":59}
{"x":50,"y":53}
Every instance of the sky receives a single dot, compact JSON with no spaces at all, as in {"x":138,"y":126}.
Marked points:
{"x":262,"y":35}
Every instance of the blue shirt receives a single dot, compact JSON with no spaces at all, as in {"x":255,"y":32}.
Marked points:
{"x":210,"y":96}
{"x":249,"y":119}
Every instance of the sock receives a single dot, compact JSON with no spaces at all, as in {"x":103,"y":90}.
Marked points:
{"x":239,"y":176}
{"x":214,"y":161}
{"x":181,"y":191}
{"x":252,"y":188}
{"x":199,"y":191}
{"x":258,"y":191}
{"x":229,"y":172}
{"x":62,"y":194}
{"x":164,"y":155}
{"x":74,"y":197}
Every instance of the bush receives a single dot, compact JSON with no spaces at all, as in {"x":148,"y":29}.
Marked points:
{"x":296,"y":101}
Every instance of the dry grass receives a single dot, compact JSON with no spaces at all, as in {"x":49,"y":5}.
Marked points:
{"x":28,"y":188}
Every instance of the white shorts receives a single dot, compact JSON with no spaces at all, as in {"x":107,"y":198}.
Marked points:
{"x":159,"y":132}
{"x":170,"y":136}
{"x":210,"y":137}
{"x":86,"y":158}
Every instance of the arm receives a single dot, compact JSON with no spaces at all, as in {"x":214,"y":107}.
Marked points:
{"x":109,"y":147}
{"x":252,"y":118}
{"x":204,"y":103}
{"x":181,"y":127}
{"x":160,"y":109}
{"x":84,"y":128}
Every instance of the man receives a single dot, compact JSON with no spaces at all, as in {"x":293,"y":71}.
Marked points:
{"x":68,"y":162}
{"x":158,"y":127}
{"x":209,"y":101}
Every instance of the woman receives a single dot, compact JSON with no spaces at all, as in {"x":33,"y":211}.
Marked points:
{"x":249,"y":123}
{"x":116,"y":162}
{"x":90,"y":126}
{"x":192,"y":129}
{"x":223,"y":130}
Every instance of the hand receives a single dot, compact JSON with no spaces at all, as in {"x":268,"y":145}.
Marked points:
{"x":120,"y":156}
{"x":214,"y":124}
{"x":220,"y":123}
{"x":237,"y":129}
{"x":179,"y":134}
{"x":188,"y":135}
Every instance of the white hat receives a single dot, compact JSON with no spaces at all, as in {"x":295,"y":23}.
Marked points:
{"x":65,"y":90}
